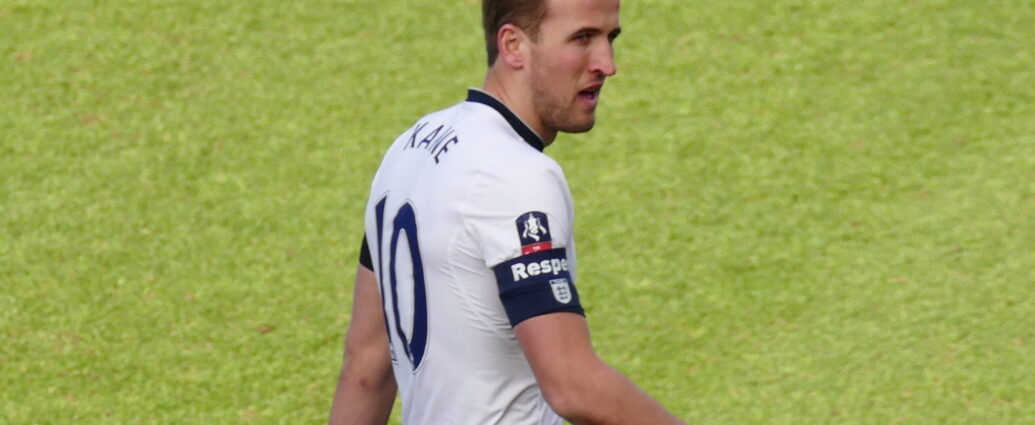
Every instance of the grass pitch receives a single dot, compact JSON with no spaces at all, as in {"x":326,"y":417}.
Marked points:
{"x":797,"y":212}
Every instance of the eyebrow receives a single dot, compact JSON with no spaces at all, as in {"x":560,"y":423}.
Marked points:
{"x":593,"y":30}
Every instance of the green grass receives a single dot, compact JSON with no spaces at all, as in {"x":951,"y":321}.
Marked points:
{"x":796,"y":212}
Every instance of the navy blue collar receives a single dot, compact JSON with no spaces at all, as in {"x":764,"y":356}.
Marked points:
{"x":478,"y":96}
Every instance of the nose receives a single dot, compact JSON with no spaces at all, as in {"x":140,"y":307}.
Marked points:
{"x":604,"y":61}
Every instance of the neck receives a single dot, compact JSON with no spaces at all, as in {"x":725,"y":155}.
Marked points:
{"x":518,"y":98}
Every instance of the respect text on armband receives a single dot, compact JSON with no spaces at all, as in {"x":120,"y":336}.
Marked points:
{"x":539,"y":268}
{"x":538,"y":283}
{"x":553,"y":266}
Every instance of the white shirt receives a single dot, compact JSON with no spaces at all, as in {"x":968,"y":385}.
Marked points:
{"x":466,"y":190}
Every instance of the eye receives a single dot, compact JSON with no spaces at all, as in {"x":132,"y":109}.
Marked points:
{"x":613,"y":35}
{"x":581,"y":37}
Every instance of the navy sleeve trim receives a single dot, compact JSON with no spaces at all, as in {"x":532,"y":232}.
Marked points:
{"x":364,"y":255}
{"x":537,"y":284}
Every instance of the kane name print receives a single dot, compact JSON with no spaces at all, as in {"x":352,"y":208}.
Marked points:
{"x":435,"y":141}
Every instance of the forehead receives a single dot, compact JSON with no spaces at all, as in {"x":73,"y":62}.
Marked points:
{"x":573,"y":15}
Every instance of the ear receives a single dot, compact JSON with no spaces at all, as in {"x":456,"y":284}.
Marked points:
{"x":511,"y":42}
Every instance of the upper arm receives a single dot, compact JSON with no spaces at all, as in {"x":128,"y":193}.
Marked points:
{"x":521,"y":216}
{"x":523,"y":223}
{"x":501,"y":199}
{"x":366,"y":330}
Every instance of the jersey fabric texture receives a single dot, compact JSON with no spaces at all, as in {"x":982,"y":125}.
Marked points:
{"x":469,"y":230}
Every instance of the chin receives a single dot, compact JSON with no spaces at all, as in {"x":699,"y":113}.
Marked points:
{"x":582,"y":129}
{"x":576,"y":123}
{"x":579,"y":127}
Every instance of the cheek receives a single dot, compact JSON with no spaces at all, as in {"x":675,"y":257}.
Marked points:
{"x":564,"y":63}
{"x":571,"y":61}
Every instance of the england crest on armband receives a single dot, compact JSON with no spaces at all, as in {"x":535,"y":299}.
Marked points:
{"x":561,"y":290}
{"x":534,"y":232}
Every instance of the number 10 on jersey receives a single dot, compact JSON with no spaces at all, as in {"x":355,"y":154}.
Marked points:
{"x":404,"y":224}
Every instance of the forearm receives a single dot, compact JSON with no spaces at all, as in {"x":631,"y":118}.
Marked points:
{"x":576,"y":383}
{"x":607,"y":397}
{"x":363,"y":397}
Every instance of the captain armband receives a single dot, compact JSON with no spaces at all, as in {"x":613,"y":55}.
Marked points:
{"x":537,"y":284}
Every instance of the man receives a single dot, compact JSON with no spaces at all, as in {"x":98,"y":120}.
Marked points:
{"x":466,"y":292}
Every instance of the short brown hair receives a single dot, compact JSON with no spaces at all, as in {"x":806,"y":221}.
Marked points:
{"x":525,"y":14}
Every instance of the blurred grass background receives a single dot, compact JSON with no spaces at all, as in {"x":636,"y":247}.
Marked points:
{"x":798,"y":212}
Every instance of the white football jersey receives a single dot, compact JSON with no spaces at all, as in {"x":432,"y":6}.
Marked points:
{"x":469,"y":229}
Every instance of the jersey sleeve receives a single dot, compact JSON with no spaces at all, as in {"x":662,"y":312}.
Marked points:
{"x":520,"y":213}
{"x":364,"y":255}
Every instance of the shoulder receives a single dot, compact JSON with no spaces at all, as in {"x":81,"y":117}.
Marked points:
{"x":518,"y":182}
{"x":521,"y":172}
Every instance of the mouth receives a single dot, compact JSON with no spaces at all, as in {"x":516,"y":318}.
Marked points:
{"x":591,"y":94}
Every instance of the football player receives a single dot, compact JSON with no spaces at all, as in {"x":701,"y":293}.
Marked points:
{"x":465,"y":300}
